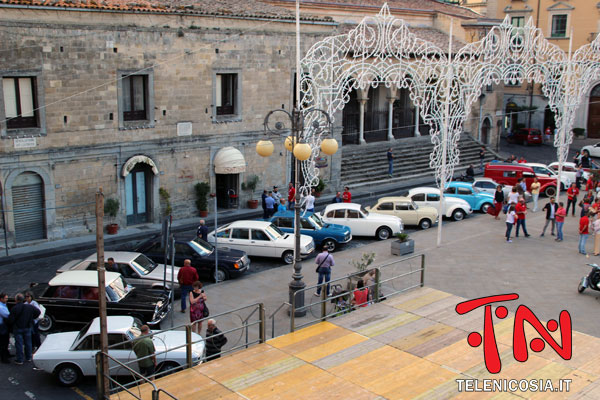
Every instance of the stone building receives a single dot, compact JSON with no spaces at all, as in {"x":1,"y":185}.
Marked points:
{"x":135,"y":97}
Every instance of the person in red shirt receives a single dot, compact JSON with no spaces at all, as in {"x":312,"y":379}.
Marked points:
{"x":561,"y":213}
{"x":584,"y":225}
{"x":347,"y":196}
{"x":186,"y":277}
{"x":291,"y":196}
{"x":572,"y":193}
{"x":361,"y":294}
{"x":521,"y":209}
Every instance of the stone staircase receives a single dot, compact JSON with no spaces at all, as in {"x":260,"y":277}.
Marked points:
{"x":366,"y":165}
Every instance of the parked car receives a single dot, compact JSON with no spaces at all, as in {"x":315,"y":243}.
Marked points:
{"x":544,"y":170}
{"x":509,"y":174}
{"x":592,"y":149}
{"x":488,"y":185}
{"x":569,"y":169}
{"x":72,"y":298}
{"x":526,"y":136}
{"x":139,"y":270}
{"x":261,"y":238}
{"x":361,"y":221}
{"x":72,"y":355}
{"x":323,"y":233}
{"x":454,"y":208}
{"x":232,"y":263}
{"x":407,"y":210}
{"x":479,"y":201}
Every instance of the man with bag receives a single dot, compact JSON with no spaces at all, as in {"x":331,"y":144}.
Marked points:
{"x":324,"y":263}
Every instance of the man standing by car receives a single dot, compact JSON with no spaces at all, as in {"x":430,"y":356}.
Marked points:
{"x":324,"y":263}
{"x":550,"y":209}
{"x":521,"y":209}
{"x":584,"y":230}
{"x":270,"y":204}
{"x":202,"y":231}
{"x":21,"y":319}
{"x":277,"y":197}
{"x":291,"y":195}
{"x":572,"y":193}
{"x":215,"y":340}
{"x":4,"y":333}
{"x":144,"y":348}
{"x":186,"y":277}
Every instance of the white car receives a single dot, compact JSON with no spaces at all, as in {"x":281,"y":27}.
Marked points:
{"x":452,"y":207}
{"x":139,"y":270}
{"x":488,"y":185}
{"x":593,"y":150}
{"x":72,"y":355}
{"x":568,"y":170}
{"x":543,"y":170}
{"x":362,"y":222}
{"x":261,"y":238}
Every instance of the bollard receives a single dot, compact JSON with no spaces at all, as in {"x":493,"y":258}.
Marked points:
{"x":188,"y":345}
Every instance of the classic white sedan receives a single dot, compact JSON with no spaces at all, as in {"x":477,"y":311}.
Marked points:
{"x":406,"y":209}
{"x":593,"y":150}
{"x":452,"y":207}
{"x":543,"y":170}
{"x":488,"y":185}
{"x":72,"y":355}
{"x":261,"y":238}
{"x":362,"y":222}
{"x":569,"y":170}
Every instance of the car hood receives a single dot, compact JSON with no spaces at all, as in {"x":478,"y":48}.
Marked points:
{"x":56,"y":342}
{"x":157,"y":274}
{"x":288,"y":240}
{"x":226,"y":254}
{"x":383,"y":218}
{"x":336,"y":227}
{"x":140,"y":297}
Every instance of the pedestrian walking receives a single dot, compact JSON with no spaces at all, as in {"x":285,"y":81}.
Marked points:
{"x":21,"y":319}
{"x":270,"y":205}
{"x":572,"y":193}
{"x":390,"y":158}
{"x":521,"y":210}
{"x":585,"y":159}
{"x":202,"y":231}
{"x":561,"y":213}
{"x":535,"y":193}
{"x":550,"y":209}
{"x":347,"y":196}
{"x":337,"y":198}
{"x":596,"y":231}
{"x":197,"y":300}
{"x":277,"y":197}
{"x":36,"y":341}
{"x":146,"y":353}
{"x":186,"y":277}
{"x":498,"y":201}
{"x":324,"y":263}
{"x":310,"y":201}
{"x":481,"y":157}
{"x":4,"y":331}
{"x":263,"y":199}
{"x":584,"y":230}
{"x":511,"y":216}
{"x":291,"y":195}
{"x":215,"y":340}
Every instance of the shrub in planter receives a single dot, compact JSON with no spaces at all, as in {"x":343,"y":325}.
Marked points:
{"x":319,"y":188}
{"x":111,"y":208}
{"x":202,"y":190}
{"x":404,"y":245}
{"x":250,"y":186}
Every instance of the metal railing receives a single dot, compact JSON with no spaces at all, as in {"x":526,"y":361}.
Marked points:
{"x":272,"y":317}
{"x":344,"y":301}
{"x":171,"y":361}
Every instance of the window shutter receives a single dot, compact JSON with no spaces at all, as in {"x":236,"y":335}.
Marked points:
{"x":126,"y":84}
{"x":218,"y":89}
{"x":26,"y":94}
{"x":10,"y":99}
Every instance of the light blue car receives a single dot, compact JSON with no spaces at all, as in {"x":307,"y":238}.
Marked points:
{"x":324,"y":234}
{"x":478,"y":200}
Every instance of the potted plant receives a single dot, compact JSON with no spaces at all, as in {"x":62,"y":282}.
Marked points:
{"x":404,"y":245}
{"x":202,"y":190}
{"x":111,"y":208}
{"x":319,"y":188}
{"x":250,"y":186}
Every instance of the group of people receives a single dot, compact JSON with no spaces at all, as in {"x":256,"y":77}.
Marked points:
{"x":22,"y":321}
{"x":272,"y":201}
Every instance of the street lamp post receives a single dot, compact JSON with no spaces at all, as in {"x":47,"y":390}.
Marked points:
{"x":300,"y":152}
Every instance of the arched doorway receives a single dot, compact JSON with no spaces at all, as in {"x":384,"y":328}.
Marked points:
{"x":486,"y":127}
{"x":28,"y":207}
{"x":593,"y":128}
{"x":350,"y":119}
{"x":229,"y":163}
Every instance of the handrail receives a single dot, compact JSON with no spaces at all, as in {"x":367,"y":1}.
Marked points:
{"x":271,"y":317}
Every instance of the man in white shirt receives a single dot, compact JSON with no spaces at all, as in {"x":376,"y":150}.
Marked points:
{"x":310,"y":201}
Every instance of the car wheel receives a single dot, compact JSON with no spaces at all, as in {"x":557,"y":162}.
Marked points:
{"x":330,"y":244}
{"x":383,"y":233}
{"x":580,"y":288}
{"x":68,"y":374}
{"x":221,"y":275}
{"x":458,"y":215}
{"x":167,"y":368}
{"x":288,"y":257}
{"x":485,"y":207}
{"x":550,"y":191}
{"x":425,"y":223}
{"x":46,"y":324}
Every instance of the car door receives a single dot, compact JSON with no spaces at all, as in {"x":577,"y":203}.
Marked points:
{"x":386,"y":208}
{"x":286,"y":224}
{"x":263,"y":245}
{"x":121,"y":350}
{"x":419,"y":198}
{"x":433,"y":200}
{"x":405,"y":211}
{"x":223,"y":237}
{"x":357,"y":224}
{"x":240,"y":240}
{"x":468,"y":195}
{"x":307,"y":228}
{"x":337,"y":216}
{"x":528,"y":177}
{"x":63,"y":304}
{"x":84,"y":354}
{"x":183,"y":252}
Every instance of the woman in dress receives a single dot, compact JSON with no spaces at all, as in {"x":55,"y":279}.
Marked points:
{"x":197,"y":299}
{"x":498,"y":201}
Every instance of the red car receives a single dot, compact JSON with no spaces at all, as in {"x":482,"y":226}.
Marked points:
{"x":526,"y":136}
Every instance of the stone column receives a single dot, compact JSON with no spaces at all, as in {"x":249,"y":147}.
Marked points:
{"x":417,"y":133}
{"x":391,"y":98}
{"x":362,"y":100}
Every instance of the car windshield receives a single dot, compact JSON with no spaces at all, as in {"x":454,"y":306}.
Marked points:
{"x":118,"y":289}
{"x":82,"y":332}
{"x":316,"y":221}
{"x":135,"y":330}
{"x":274,"y":232}
{"x":202,"y":247}
{"x":143,"y":264}
{"x":365,"y":212}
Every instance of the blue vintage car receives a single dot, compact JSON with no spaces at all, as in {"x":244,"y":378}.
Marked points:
{"x":478,"y":200}
{"x":331,"y":235}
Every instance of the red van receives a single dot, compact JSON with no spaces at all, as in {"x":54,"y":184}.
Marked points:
{"x":509,"y":174}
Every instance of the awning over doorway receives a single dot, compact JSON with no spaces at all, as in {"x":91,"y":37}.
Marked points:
{"x":131,"y":163}
{"x":229,"y":160}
